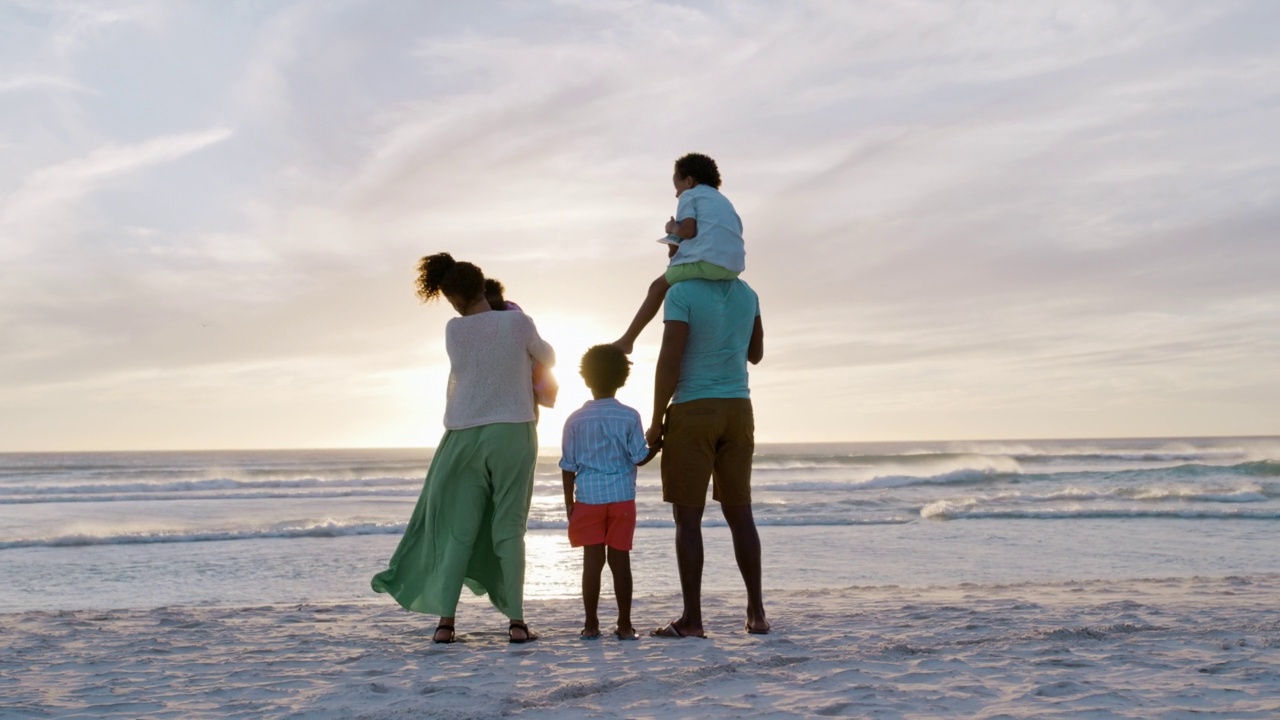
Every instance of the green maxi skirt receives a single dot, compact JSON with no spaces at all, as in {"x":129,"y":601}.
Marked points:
{"x":468,"y":526}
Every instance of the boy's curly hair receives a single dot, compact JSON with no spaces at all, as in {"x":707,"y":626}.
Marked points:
{"x":701,"y":168}
{"x":605,"y":368}
{"x":440,"y":274}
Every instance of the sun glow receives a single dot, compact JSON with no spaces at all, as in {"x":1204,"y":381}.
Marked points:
{"x":571,"y":336}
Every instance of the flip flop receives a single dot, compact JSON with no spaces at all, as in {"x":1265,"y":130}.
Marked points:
{"x":671,"y":631}
{"x":757,"y":631}
{"x":529,"y":635}
{"x":584,"y":635}
{"x":629,"y":635}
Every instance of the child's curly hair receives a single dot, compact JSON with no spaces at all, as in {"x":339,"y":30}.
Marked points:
{"x":701,"y":168}
{"x":440,"y":274}
{"x":605,"y":368}
{"x":493,"y":292}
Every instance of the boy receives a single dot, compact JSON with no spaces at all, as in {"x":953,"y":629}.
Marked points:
{"x":602,"y":445}
{"x":705,"y":236}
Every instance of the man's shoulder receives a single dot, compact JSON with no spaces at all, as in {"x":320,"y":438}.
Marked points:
{"x":721,"y":288}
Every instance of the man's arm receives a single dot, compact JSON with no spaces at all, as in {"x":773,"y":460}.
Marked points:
{"x":675,"y":335}
{"x":755,"y":349}
{"x":568,"y":476}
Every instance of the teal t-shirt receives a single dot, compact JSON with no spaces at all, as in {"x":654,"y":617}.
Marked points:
{"x":721,"y":315}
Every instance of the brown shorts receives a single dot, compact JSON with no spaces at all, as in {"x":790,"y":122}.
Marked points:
{"x":709,"y":440}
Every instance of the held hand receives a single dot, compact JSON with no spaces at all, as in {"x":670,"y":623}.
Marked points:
{"x":671,"y":226}
{"x":653,"y":452}
{"x":568,"y":510}
{"x":653,"y":436}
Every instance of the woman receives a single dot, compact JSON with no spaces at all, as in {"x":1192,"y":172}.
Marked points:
{"x":468,"y":526}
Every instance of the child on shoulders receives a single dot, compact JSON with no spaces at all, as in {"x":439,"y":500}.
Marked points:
{"x":602,"y":445}
{"x":705,"y":239}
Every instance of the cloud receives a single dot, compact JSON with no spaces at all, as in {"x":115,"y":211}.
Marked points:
{"x":32,"y":82}
{"x":979,"y":218}
{"x":47,"y":193}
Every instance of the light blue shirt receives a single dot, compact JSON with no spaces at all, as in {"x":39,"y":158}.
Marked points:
{"x":603,"y":441}
{"x":719,"y":238}
{"x":721,"y":315}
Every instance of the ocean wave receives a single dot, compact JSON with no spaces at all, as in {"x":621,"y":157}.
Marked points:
{"x":999,"y":473}
{"x":307,"y":530}
{"x":1252,"y":494}
{"x":968,"y":476}
{"x":346,"y":529}
{"x":258,"y":495}
{"x":972,"y":510}
{"x":712,"y":522}
{"x":207,"y":485}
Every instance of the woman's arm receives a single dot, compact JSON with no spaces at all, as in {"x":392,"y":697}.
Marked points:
{"x":539,"y":349}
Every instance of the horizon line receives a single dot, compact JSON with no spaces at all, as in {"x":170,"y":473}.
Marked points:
{"x":542,"y":448}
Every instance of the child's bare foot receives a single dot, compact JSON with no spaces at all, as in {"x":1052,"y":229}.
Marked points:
{"x":626,"y":346}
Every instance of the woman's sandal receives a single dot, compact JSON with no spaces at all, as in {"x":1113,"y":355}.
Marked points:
{"x":529,"y":635}
{"x":451,"y":637}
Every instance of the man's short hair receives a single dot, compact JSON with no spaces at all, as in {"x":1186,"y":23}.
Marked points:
{"x":605,"y":367}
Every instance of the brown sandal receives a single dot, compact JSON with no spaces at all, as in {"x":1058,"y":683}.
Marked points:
{"x":529,"y":635}
{"x":451,"y":637}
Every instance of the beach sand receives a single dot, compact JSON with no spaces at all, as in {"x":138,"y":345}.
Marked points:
{"x":1154,"y":648}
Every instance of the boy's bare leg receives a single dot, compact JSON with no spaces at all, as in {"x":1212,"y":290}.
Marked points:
{"x":620,"y":566}
{"x":592,"y":565}
{"x":647,"y":312}
{"x":746,"y":549}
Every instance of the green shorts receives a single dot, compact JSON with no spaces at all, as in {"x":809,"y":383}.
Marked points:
{"x":700,"y":270}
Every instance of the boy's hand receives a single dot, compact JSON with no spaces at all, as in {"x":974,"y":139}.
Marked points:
{"x":653,"y":451}
{"x":671,"y":225}
{"x":568,"y":510}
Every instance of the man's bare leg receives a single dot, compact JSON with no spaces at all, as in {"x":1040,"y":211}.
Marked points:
{"x":645,"y":315}
{"x":746,"y":549}
{"x":689,"y":561}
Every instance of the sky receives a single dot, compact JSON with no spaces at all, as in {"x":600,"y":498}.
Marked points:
{"x":965,"y":220}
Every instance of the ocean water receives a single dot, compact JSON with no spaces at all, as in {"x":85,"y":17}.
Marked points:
{"x":131,"y":530}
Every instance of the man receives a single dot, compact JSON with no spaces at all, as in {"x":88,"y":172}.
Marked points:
{"x":712,"y":329}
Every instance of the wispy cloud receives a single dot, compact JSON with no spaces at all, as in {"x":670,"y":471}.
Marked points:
{"x":964,"y":219}
{"x":46,"y":193}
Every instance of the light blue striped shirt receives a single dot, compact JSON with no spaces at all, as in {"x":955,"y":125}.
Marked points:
{"x":603,"y":441}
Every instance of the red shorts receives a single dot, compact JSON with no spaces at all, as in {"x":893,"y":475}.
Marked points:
{"x":612,"y":524}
